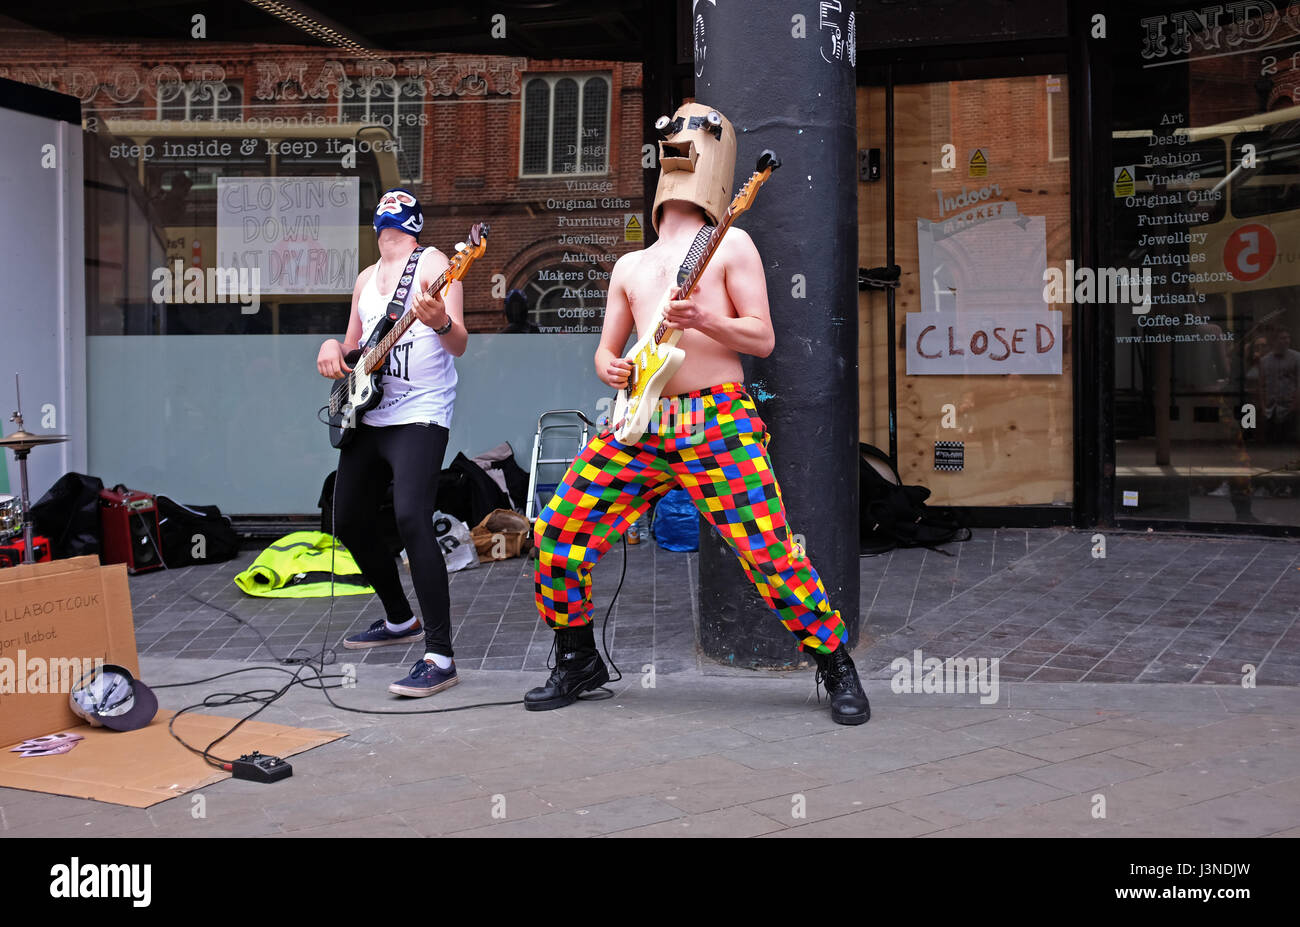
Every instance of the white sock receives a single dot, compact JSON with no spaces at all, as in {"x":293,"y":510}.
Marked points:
{"x":439,"y":660}
{"x":404,"y":626}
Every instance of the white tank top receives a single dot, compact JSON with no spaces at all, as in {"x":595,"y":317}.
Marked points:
{"x":420,"y":382}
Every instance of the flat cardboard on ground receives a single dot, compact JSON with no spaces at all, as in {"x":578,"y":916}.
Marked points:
{"x":53,"y":613}
{"x":145,"y":767}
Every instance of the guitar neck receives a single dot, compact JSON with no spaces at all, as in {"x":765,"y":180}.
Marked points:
{"x":374,"y":358}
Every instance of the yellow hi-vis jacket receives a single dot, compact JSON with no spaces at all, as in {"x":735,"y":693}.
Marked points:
{"x":298,"y":566}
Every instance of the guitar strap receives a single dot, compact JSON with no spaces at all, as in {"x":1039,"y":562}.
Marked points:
{"x":695,"y":252}
{"x":396,"y":305}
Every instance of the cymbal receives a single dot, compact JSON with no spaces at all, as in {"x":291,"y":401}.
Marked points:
{"x":22,"y":440}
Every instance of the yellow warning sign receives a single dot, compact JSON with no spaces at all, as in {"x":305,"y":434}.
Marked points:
{"x":1124,"y":177}
{"x":979,"y":163}
{"x":632,"y":230}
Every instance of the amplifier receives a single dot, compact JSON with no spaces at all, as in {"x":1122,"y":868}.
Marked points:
{"x":11,"y":553}
{"x":128,"y":523}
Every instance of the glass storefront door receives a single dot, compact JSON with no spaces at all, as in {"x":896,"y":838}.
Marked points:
{"x":1206,"y":200}
{"x":982,"y":361}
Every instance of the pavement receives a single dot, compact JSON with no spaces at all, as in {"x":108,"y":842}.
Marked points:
{"x":1152,"y":692}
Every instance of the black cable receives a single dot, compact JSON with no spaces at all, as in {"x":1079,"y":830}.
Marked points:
{"x":231,"y":698}
{"x":287,"y":661}
{"x":604,"y":625}
{"x":329,"y":621}
{"x":317,"y":664}
{"x":267,"y":697}
{"x":292,"y":659}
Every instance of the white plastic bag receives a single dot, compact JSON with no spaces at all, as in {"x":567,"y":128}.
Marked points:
{"x":457,"y":544}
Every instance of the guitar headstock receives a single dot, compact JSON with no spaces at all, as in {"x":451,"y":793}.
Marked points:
{"x":468,"y":251}
{"x":767,"y":163}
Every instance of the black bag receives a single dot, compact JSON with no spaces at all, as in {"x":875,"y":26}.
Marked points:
{"x":183,"y":528}
{"x":466,"y":491}
{"x":516,"y":481}
{"x":892,"y":514}
{"x":68,"y":514}
{"x":387,"y":515}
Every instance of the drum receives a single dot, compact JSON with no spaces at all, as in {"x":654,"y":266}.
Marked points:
{"x":11,"y":517}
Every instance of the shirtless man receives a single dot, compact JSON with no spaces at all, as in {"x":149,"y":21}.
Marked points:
{"x":707,"y":437}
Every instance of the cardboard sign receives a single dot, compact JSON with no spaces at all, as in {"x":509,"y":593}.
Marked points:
{"x":56,"y":620}
{"x":142,"y":768}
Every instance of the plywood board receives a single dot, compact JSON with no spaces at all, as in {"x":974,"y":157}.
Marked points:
{"x":1018,"y":429}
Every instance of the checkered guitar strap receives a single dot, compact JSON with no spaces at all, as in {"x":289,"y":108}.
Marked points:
{"x":696,"y":251}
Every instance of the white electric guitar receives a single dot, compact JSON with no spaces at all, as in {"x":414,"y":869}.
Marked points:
{"x":656,"y":357}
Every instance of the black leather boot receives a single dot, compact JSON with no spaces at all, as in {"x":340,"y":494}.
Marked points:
{"x":578,"y":669}
{"x":837,"y":673}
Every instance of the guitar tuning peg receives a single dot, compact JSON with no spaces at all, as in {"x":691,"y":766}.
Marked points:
{"x":460,"y":246}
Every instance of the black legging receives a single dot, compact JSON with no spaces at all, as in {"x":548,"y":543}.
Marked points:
{"x":412,"y":455}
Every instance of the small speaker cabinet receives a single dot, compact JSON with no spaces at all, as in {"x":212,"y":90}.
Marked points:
{"x":128,"y":523}
{"x":11,"y":552}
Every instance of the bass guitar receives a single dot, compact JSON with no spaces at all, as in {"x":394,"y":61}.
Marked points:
{"x":656,"y":357}
{"x":361,"y":390}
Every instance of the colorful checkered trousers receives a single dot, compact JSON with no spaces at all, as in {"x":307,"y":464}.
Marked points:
{"x":713,"y":444}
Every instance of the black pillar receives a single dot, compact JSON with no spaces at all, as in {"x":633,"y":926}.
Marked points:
{"x":784,"y":75}
{"x":658,"y":66}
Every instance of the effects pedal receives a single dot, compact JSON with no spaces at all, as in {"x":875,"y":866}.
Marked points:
{"x":260,"y":768}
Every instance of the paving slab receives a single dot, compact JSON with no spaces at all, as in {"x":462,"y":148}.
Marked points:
{"x":1121,"y":685}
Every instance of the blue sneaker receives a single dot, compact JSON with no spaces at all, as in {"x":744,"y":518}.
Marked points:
{"x":378,"y":635}
{"x":424,"y":679}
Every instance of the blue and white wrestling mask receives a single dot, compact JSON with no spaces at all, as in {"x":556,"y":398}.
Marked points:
{"x":399,"y":209}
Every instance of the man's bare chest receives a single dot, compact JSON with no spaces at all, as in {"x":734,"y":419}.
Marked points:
{"x":652,"y":282}
{"x":657,"y":275}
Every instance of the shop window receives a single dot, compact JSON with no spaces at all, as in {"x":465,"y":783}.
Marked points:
{"x":561,"y":295}
{"x":398,"y":107}
{"x":1273,"y":186}
{"x":565,"y":125}
{"x":1207,"y":200}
